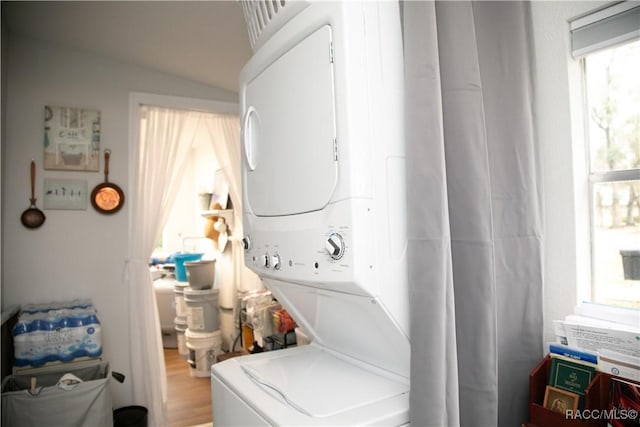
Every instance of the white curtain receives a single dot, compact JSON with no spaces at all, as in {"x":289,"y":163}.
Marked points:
{"x":165,"y":140}
{"x":475,"y":215}
{"x":224,"y":130}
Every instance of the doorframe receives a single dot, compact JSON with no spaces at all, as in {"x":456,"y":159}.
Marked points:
{"x":138,"y":99}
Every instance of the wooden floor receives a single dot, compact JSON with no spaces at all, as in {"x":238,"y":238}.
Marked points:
{"x":189,"y":398}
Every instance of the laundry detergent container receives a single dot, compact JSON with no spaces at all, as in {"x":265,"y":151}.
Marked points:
{"x":179,"y":260}
{"x":201,"y":274}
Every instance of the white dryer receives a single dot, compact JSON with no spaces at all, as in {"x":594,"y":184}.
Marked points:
{"x":324,"y":207}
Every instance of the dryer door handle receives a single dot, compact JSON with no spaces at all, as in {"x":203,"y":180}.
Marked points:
{"x":250,"y":132}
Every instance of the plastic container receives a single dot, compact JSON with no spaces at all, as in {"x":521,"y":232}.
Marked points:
{"x":181,"y":328}
{"x":179,"y":260}
{"x":181,"y":306}
{"x":203,"y":347}
{"x":202,"y":309}
{"x":201,"y":274}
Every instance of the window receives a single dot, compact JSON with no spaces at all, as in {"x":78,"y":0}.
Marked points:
{"x":609,"y":53}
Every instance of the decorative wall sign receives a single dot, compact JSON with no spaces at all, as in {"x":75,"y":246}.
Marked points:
{"x":71,"y":139}
{"x":69,"y":194}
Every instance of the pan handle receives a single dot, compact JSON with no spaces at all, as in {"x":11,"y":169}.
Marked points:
{"x":107,"y":156}
{"x":33,"y":179}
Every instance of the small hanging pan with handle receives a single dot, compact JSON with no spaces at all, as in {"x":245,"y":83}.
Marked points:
{"x":107,"y":198}
{"x":33,"y":217}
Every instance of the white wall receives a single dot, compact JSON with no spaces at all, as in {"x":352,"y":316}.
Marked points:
{"x":75,"y":254}
{"x":559,"y":130}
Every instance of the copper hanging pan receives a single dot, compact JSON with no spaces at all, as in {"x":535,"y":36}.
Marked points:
{"x":107,"y":198}
{"x":32,"y":217}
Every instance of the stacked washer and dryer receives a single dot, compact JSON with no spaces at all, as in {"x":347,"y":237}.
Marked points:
{"x":324,"y":203}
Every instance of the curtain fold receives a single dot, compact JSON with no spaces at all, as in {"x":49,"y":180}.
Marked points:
{"x":475,"y":212}
{"x":165,"y":141}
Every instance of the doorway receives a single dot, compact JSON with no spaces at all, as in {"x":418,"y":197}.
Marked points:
{"x":193,"y":394}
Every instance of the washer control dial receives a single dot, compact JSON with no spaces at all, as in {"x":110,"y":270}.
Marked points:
{"x":334,"y":245}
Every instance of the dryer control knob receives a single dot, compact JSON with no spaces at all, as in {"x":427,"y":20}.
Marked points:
{"x":275,"y":261}
{"x":246,"y":243}
{"x":335,"y":246}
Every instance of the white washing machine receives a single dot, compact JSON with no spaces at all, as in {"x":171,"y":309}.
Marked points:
{"x":324,"y":208}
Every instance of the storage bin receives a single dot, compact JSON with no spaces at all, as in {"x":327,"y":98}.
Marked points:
{"x":204,"y":347}
{"x":181,"y":306}
{"x":179,"y":260}
{"x":181,"y":327}
{"x":201,"y":274}
{"x":55,"y":403}
{"x":202,"y":309}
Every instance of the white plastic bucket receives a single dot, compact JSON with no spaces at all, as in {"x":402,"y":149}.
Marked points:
{"x":202,"y":309}
{"x":181,"y":327}
{"x":178,"y":291}
{"x":203,"y":347}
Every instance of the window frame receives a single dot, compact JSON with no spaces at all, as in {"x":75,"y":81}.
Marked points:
{"x":598,"y":177}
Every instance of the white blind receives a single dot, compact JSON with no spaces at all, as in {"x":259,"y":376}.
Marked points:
{"x":606,"y":27}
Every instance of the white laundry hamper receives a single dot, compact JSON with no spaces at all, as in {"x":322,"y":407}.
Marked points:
{"x":54,"y":403}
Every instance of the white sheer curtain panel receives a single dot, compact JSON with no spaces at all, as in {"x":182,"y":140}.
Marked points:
{"x":475,"y":215}
{"x":165,"y":140}
{"x":224,"y":130}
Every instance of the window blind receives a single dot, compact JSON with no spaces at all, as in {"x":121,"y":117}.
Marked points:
{"x":606,"y":27}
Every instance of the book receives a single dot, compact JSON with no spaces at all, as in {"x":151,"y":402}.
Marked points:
{"x":571,"y":376}
{"x":573,"y":353}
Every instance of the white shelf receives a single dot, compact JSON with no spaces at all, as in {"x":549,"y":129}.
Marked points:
{"x":227,"y":214}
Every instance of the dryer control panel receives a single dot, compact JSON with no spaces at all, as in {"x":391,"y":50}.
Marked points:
{"x":309,"y":250}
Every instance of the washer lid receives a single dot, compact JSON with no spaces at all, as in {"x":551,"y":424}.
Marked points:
{"x":318,"y":384}
{"x":289,"y":137}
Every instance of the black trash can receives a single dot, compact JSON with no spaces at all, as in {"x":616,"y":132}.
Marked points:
{"x":130,"y":416}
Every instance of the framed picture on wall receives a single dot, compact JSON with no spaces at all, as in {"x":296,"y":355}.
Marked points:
{"x":71,"y":139}
{"x":66,"y":194}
